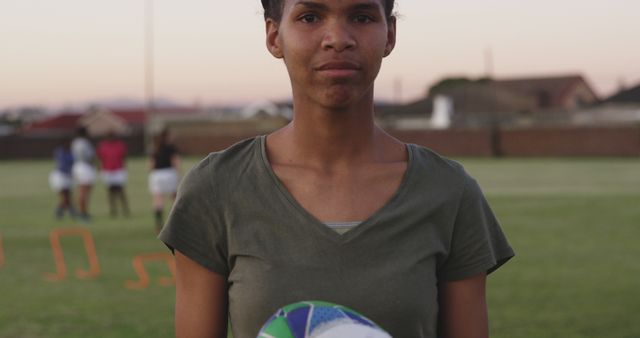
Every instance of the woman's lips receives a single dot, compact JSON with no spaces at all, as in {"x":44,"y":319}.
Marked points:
{"x":338,"y":68}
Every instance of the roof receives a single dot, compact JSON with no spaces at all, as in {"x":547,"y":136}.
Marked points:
{"x":139,"y":116}
{"x":525,"y":94}
{"x":556,"y":87}
{"x":631,"y":95}
{"x":68,"y":121}
{"x":65,"y":121}
{"x":132,"y":117}
{"x":101,"y":122}
{"x":488,"y":98}
{"x":422,"y":107}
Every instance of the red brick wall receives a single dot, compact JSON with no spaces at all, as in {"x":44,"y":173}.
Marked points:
{"x":201,"y":145}
{"x":23,"y":147}
{"x":539,"y":142}
{"x":453,"y":142}
{"x":450,"y":142}
{"x":592,"y":141}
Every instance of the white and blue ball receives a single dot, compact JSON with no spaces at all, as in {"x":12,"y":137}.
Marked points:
{"x":317,"y":319}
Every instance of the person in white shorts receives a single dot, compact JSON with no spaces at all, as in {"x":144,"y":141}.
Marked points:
{"x":112,"y":152}
{"x":60,"y":180}
{"x":163,"y":179}
{"x":84,"y":174}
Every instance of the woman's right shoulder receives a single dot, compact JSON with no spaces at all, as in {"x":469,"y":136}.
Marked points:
{"x":224,"y":166}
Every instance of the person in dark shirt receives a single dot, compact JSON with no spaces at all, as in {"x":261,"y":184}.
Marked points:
{"x":164,"y":164}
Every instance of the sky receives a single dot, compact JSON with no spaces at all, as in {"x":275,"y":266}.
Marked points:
{"x":65,"y":52}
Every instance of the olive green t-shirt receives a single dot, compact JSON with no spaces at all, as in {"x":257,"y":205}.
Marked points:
{"x":234,"y":217}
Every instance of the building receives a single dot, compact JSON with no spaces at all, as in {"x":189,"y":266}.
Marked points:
{"x":625,"y":96}
{"x":563,"y":93}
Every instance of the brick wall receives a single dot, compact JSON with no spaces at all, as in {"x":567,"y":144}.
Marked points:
{"x":453,"y":142}
{"x":42,"y":146}
{"x":201,"y":145}
{"x":592,"y":141}
{"x":525,"y":142}
{"x":529,"y":142}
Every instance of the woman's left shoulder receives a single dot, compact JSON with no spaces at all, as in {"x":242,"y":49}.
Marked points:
{"x":429,"y":160}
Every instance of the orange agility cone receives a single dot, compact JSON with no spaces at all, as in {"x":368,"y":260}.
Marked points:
{"x":61,"y":268}
{"x":138,"y":266}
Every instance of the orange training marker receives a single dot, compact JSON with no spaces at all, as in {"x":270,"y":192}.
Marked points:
{"x":61,"y":269}
{"x":138,"y":265}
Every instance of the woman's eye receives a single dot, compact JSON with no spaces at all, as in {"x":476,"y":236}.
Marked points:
{"x":362,"y":18}
{"x":309,"y":18}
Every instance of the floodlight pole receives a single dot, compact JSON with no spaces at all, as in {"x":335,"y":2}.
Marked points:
{"x":149,"y":66}
{"x":397,"y":90}
{"x":488,"y":62}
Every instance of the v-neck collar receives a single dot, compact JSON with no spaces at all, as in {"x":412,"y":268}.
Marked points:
{"x":315,"y":224}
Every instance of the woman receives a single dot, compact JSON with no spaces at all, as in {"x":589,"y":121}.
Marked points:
{"x":84,"y":174}
{"x":164,"y":164}
{"x":112,"y":152}
{"x":330,"y":207}
{"x":61,"y":181}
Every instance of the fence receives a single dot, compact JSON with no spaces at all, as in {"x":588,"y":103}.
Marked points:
{"x":525,"y":142}
{"x":42,"y":146}
{"x":623,"y":141}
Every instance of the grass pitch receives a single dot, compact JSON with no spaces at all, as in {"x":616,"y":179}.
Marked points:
{"x":574,"y":224}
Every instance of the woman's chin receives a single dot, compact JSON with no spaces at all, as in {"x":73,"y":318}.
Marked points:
{"x":341,"y":97}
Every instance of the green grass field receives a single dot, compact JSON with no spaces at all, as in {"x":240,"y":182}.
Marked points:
{"x":574,"y":223}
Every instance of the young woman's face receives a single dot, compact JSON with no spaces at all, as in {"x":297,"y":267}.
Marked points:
{"x":332,"y":48}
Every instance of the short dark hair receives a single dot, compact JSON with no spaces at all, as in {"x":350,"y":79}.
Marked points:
{"x":273,"y":8}
{"x":82,"y":131}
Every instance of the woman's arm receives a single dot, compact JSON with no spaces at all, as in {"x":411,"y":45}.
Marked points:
{"x":201,"y":300}
{"x":175,"y":162}
{"x":463,"y":308}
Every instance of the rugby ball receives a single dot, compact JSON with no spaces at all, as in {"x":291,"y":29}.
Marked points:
{"x":318,"y":319}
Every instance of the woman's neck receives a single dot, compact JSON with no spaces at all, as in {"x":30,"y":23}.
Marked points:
{"x":329,"y":139}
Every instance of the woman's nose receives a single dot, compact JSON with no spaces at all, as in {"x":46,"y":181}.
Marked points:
{"x":338,"y":36}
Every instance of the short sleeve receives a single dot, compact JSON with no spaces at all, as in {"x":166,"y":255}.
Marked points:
{"x":478,"y":243}
{"x":194,"y":227}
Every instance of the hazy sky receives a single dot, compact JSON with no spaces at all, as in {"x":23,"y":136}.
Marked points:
{"x":56,"y":52}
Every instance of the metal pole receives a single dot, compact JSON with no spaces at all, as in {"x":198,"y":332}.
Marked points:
{"x":488,"y":62}
{"x":148,"y":73}
{"x":397,"y":89}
